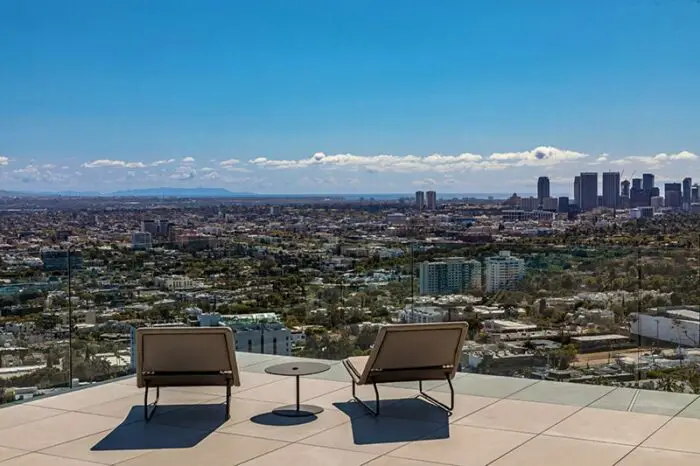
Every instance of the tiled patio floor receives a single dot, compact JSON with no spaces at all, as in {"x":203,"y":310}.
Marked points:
{"x":497,"y":421}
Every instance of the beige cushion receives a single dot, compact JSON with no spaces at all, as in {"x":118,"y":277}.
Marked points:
{"x":185,"y":356}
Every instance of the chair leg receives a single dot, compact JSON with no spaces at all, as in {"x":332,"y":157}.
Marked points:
{"x":373,"y":412}
{"x":148,"y":414}
{"x":228,"y":400}
{"x":439,"y":403}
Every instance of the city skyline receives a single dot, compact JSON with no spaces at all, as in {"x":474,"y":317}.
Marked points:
{"x":355,"y":98}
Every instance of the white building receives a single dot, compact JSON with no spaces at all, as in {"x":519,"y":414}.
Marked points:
{"x":671,"y":325}
{"x":503,"y":272}
{"x":142,"y":241}
{"x":421,"y":314}
{"x":175,"y":282}
{"x":453,"y":275}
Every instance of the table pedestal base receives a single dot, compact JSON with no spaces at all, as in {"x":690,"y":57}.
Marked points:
{"x":298,"y":411}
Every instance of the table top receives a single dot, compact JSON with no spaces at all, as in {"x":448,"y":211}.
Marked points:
{"x":297,"y":368}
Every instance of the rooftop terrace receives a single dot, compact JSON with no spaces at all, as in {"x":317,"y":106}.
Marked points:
{"x":497,"y":421}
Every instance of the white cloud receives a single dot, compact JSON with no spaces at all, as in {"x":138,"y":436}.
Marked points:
{"x":35,"y":173}
{"x":188,"y":160}
{"x":538,"y":156}
{"x":184,"y":173}
{"x":229,"y":162}
{"x":4,"y":160}
{"x":101,"y":163}
{"x":432,"y":163}
{"x":158,"y":163}
{"x":657,"y":160}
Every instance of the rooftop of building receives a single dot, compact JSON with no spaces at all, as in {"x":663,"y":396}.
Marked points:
{"x":497,"y":421}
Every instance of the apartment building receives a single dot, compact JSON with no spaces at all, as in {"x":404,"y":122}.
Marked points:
{"x":502,"y":272}
{"x":453,"y":275}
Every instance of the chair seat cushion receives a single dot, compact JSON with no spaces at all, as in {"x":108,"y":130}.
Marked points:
{"x":357,"y":365}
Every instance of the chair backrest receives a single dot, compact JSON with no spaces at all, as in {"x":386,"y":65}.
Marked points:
{"x":409,"y":352}
{"x":185,"y":350}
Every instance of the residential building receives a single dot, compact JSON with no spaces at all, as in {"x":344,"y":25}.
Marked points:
{"x":431,"y":200}
{"x":503,"y":272}
{"x":589,"y":191}
{"x":529,"y":203}
{"x":611,"y":190}
{"x":550,"y":203}
{"x":453,"y":275}
{"x":175,"y":282}
{"x":420,"y":200}
{"x":421,"y":314}
{"x":56,"y":260}
{"x":141,"y":241}
{"x":542,"y":188}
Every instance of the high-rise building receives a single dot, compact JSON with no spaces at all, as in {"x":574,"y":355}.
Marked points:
{"x":694,"y":194}
{"x":149,"y":226}
{"x":431,"y":200}
{"x":577,"y":191}
{"x":141,"y":241}
{"x":563,"y":205}
{"x":589,"y":191}
{"x":625,"y":185}
{"x":420,"y":200}
{"x":542,"y":188}
{"x":550,"y":204}
{"x":637,"y":184}
{"x":687,"y":186}
{"x":453,"y":275}
{"x":611,"y":189}
{"x":673,"y":195}
{"x":647,"y":181}
{"x":502,"y":272}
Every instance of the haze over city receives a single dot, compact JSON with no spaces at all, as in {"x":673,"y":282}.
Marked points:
{"x":367,"y":97}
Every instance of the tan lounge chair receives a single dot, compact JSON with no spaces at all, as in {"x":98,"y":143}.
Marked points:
{"x":185,"y":357}
{"x":409,"y":353}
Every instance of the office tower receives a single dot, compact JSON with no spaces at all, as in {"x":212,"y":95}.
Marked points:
{"x":453,"y":275}
{"x":647,"y":181}
{"x":163,"y":228}
{"x":673,"y":195}
{"x":420,"y":200}
{"x":589,"y":191}
{"x":625,"y":185}
{"x":655,"y":191}
{"x":694,"y":194}
{"x":577,"y":191}
{"x":542,"y":188}
{"x":503,"y":272}
{"x":637,"y":184}
{"x":563,"y":206}
{"x":149,"y":226}
{"x":431,"y":200}
{"x":687,"y":186}
{"x":611,"y":189}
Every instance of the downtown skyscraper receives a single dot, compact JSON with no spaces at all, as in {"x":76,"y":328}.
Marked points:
{"x":611,"y":190}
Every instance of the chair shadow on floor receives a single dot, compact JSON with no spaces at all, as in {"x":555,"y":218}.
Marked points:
{"x":404,"y":420}
{"x":173,"y":426}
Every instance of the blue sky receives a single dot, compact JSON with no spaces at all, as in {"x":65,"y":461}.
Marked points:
{"x":345,"y":97}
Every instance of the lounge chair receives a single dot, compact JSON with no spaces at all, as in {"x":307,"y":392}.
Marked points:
{"x":185,"y":357}
{"x":409,"y":353}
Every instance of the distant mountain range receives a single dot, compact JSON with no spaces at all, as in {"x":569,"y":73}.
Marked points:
{"x":147,"y":192}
